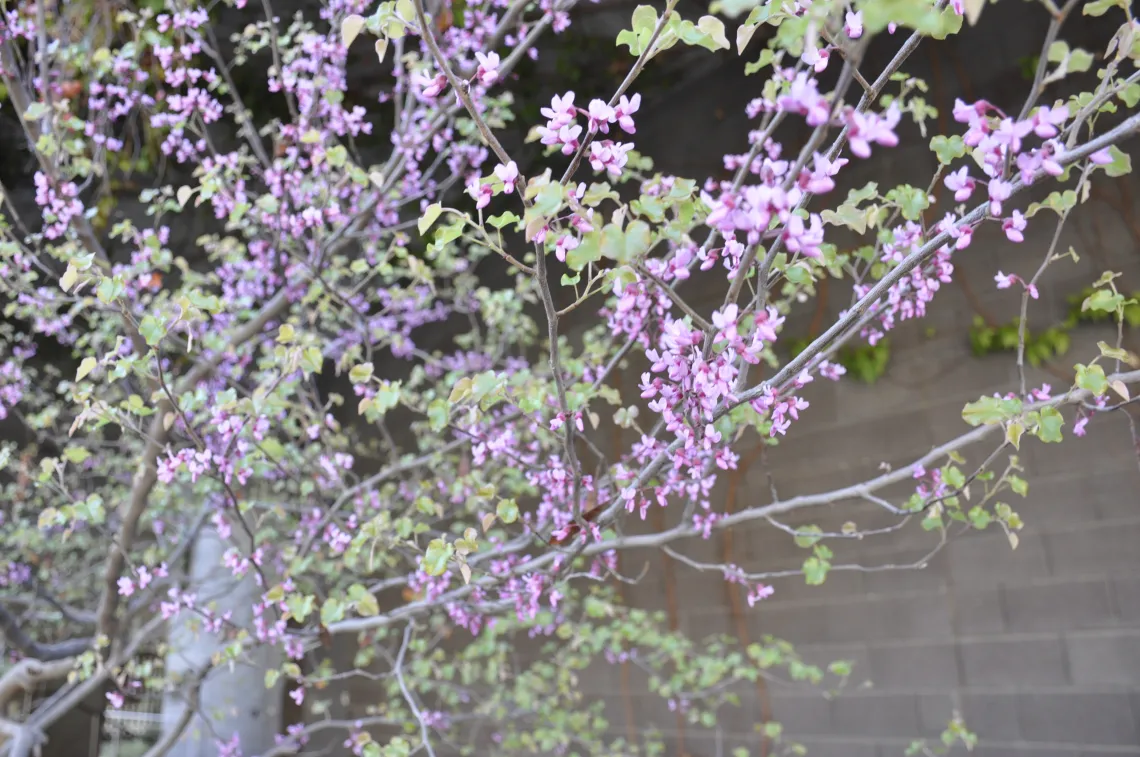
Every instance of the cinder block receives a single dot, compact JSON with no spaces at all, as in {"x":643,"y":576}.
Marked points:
{"x":986,"y":560}
{"x":1058,"y":605}
{"x":1126,"y":593}
{"x":1014,"y":662}
{"x":1024,"y":750}
{"x":1107,"y":448}
{"x":991,"y":716}
{"x":915,"y":665}
{"x":798,"y":624}
{"x":1100,"y":548}
{"x":839,"y":749}
{"x":878,"y":715}
{"x":935,"y":711}
{"x":1055,"y":499}
{"x":1115,"y":493}
{"x":802,"y":716}
{"x":1078,"y":718}
{"x":977,"y":612}
{"x":895,"y":438}
{"x":932,"y":578}
{"x":1111,"y":657}
{"x":925,"y":616}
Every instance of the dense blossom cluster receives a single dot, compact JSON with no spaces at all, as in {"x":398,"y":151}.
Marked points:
{"x":310,"y":277}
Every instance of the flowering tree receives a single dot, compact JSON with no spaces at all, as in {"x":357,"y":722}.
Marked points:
{"x":464,"y":500}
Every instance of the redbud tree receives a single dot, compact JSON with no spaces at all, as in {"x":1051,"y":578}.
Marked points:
{"x":450,"y":500}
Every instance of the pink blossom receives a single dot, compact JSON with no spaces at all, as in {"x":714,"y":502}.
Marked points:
{"x":481,"y":193}
{"x":432,"y":87}
{"x":609,"y":156}
{"x":761,"y":591}
{"x":624,"y":111}
{"x":1013,"y":226}
{"x":831,"y":371}
{"x":999,"y":191}
{"x":488,"y":71}
{"x":816,"y":58}
{"x":1101,"y":157}
{"x":1046,"y":120}
{"x":853,"y":24}
{"x":960,"y":183}
{"x":600,"y":116}
{"x":803,"y":98}
{"x":508,"y":174}
{"x":868,"y":128}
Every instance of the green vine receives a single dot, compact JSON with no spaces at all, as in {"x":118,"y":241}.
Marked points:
{"x":1091,"y":305}
{"x":866,"y":362}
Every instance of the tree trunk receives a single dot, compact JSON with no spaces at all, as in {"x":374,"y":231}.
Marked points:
{"x":232,"y":701}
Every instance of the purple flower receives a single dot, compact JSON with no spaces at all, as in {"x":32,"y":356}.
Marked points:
{"x":1046,"y":120}
{"x":999,"y":191}
{"x":488,"y":71}
{"x":1013,"y":226}
{"x":624,"y":111}
{"x":600,"y":116}
{"x":868,"y":128}
{"x":508,"y":174}
{"x":960,"y":183}
{"x":1101,"y":157}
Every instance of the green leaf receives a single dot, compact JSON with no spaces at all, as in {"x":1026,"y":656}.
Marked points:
{"x":431,"y":213}
{"x":367,"y":606}
{"x":948,"y":148}
{"x":109,"y":290}
{"x":807,"y":536}
{"x":76,"y":454}
{"x":350,"y":28}
{"x":85,"y":368}
{"x":360,"y":373}
{"x":1091,"y":378}
{"x":438,"y":554}
{"x":151,"y":329}
{"x":1013,"y":433}
{"x":1049,"y":425}
{"x":504,"y":219}
{"x":911,"y":201}
{"x":643,"y":22}
{"x":68,"y":279}
{"x":507,"y":510}
{"x":548,"y":199}
{"x":36,"y":111}
{"x":332,"y":611}
{"x":815,"y":571}
{"x":299,"y":606}
{"x":847,"y":215}
{"x":1104,"y":300}
{"x":1100,"y":7}
{"x":1080,"y":60}
{"x":437,"y":415}
{"x":1121,"y":164}
{"x":1130,"y":95}
{"x":990,"y":410}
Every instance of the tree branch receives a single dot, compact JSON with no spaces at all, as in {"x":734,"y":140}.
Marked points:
{"x":21,"y":640}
